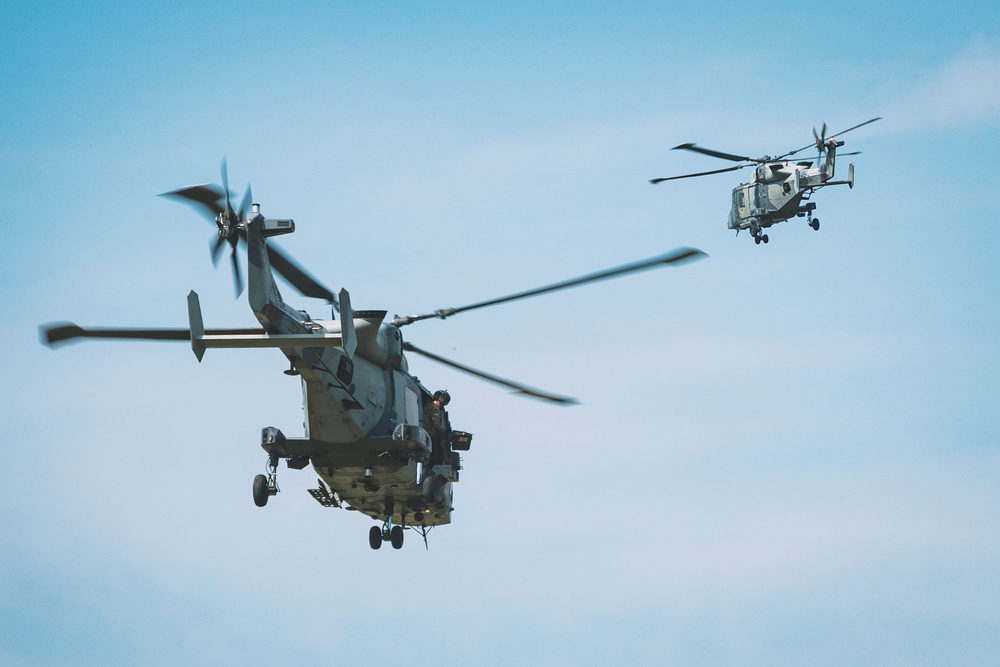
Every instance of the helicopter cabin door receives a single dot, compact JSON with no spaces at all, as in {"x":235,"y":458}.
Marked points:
{"x":407,"y":401}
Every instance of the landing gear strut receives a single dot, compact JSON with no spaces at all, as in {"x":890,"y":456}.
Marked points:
{"x":266,"y":486}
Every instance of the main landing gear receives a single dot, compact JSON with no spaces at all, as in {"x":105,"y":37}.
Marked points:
{"x":808,"y":211}
{"x":757,"y":233}
{"x":387,"y":533}
{"x":266,"y":486}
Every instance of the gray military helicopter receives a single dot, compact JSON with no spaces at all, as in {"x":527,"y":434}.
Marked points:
{"x":779,"y":188}
{"x":381,"y":443}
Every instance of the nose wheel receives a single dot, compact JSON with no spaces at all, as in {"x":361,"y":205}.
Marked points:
{"x":814,"y":223}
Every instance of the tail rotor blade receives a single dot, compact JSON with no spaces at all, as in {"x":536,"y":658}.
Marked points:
{"x":245,"y":204}
{"x":237,"y":274}
{"x":215,"y":249}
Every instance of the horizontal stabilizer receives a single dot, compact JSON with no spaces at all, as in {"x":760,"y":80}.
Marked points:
{"x":270,"y":340}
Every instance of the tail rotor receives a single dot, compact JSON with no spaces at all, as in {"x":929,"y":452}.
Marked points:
{"x":820,"y":138}
{"x":217,"y":203}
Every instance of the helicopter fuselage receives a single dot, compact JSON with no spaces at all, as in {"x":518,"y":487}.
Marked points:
{"x":370,"y":431}
{"x":777,"y":190}
{"x":779,"y":186}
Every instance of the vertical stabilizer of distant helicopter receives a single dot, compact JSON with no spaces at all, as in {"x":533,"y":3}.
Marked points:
{"x":850,"y":176}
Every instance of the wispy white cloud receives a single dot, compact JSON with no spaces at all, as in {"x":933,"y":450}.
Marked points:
{"x":963,"y":91}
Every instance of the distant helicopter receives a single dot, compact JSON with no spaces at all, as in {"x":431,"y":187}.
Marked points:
{"x":381,"y":443}
{"x":778,"y":187}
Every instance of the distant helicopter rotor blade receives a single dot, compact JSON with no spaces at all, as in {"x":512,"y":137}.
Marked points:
{"x":516,"y":386}
{"x":871,"y":120}
{"x":707,"y":151}
{"x":835,"y":134}
{"x":678,"y":256}
{"x":654,"y":181}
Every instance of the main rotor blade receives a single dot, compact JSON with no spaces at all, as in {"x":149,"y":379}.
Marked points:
{"x":871,"y":120}
{"x":298,"y":277}
{"x":517,"y":387}
{"x":707,"y":151}
{"x":675,"y":257}
{"x":58,"y":333}
{"x":654,"y":181}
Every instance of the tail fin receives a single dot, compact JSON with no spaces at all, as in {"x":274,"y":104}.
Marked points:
{"x":347,"y":333}
{"x":265,"y":299}
{"x":197,"y":325}
{"x":831,"y":159}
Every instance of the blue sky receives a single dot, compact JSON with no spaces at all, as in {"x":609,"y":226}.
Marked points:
{"x":784,"y":455}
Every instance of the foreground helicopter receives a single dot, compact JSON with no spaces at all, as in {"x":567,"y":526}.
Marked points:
{"x":778,"y":187}
{"x":381,"y":443}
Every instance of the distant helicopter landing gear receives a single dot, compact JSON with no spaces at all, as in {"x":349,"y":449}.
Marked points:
{"x":265,"y":486}
{"x":814,"y":223}
{"x":757,"y":234}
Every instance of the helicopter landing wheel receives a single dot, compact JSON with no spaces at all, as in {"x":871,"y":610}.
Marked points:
{"x":815,"y":224}
{"x":756,"y":240}
{"x":764,"y":238}
{"x":375,"y":537}
{"x":260,"y":490}
{"x":396,"y":537}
